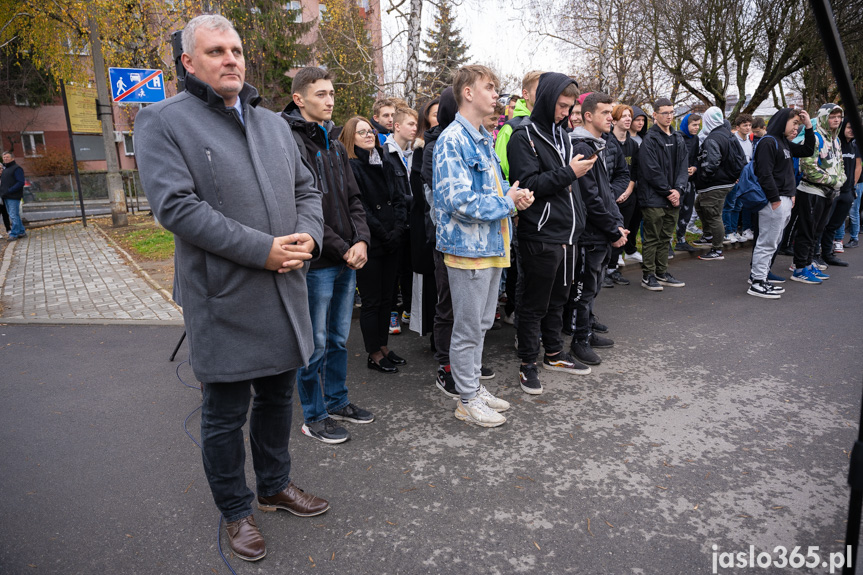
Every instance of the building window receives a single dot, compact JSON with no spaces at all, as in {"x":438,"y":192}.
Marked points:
{"x":21,"y":100}
{"x":128,"y":143}
{"x":33,"y":144}
{"x":322,"y":8}
{"x":296,"y":7}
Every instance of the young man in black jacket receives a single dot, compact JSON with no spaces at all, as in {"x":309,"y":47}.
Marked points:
{"x":604,"y":225}
{"x":774,"y":167}
{"x":331,"y":280}
{"x":541,"y":159}
{"x":720,"y":161}
{"x":663,"y":175}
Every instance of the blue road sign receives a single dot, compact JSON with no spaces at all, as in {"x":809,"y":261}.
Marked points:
{"x":136,"y":86}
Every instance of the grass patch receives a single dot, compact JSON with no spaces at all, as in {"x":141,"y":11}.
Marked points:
{"x":152,"y":243}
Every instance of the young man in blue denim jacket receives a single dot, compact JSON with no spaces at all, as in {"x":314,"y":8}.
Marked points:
{"x":473,"y":205}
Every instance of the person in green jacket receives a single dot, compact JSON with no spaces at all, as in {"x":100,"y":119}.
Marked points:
{"x":521,"y":113}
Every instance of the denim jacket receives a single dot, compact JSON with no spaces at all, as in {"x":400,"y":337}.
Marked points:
{"x":468,"y":210}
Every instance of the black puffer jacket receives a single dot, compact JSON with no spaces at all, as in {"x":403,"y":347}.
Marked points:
{"x":344,"y":215}
{"x":662,"y":166}
{"x":383,"y":199}
{"x":603,"y":215}
{"x":720,"y":160}
{"x":539,"y":152}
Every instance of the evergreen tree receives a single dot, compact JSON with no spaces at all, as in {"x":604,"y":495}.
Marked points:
{"x":445,"y":51}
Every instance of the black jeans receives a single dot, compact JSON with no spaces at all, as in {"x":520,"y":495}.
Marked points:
{"x":589,"y":268}
{"x":223,"y":414}
{"x":687,"y":203}
{"x":443,"y":311}
{"x":812,"y":212}
{"x":628,"y":211}
{"x":546,"y":275}
{"x":838,"y":212}
{"x":633,"y":225}
{"x":376,"y":281}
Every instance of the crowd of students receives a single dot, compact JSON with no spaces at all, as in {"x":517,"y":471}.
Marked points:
{"x":542,"y":197}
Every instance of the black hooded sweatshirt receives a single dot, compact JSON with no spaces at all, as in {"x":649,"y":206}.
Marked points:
{"x":663,"y":162}
{"x":849,"y":159}
{"x":720,"y":160}
{"x":636,"y":112}
{"x":772,"y":161}
{"x":539,"y":152}
{"x":327,"y":160}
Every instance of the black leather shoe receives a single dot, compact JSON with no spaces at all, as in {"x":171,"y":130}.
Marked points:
{"x":384,"y":366}
{"x":396,"y":360}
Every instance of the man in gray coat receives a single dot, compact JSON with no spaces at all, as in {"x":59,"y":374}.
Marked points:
{"x":226,"y":178}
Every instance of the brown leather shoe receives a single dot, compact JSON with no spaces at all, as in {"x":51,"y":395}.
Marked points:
{"x":295,"y":500}
{"x":245,"y":539}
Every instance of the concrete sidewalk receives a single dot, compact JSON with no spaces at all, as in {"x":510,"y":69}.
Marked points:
{"x":71,"y":274}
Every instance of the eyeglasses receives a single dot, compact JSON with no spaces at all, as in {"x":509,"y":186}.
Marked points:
{"x":364,"y":133}
{"x":665,"y":113}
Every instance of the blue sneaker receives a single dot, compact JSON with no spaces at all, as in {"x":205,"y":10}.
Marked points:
{"x":775,"y":279}
{"x":818,"y":273}
{"x":805,"y":275}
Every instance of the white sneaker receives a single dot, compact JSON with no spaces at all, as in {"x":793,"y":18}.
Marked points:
{"x":730,"y":238}
{"x":493,"y":402}
{"x":508,"y":319}
{"x":636,"y":257}
{"x":476,"y":411}
{"x":838,"y":247}
{"x":747,"y":235}
{"x":740,"y":238}
{"x":620,"y":262}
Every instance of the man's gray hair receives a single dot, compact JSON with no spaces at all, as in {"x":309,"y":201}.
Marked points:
{"x":208,"y":21}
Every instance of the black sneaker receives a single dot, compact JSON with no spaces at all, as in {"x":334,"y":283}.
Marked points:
{"x":446,"y":383}
{"x":683,"y":246}
{"x":649,"y":282}
{"x":832,"y":260}
{"x":618,"y":278}
{"x":352,"y":413}
{"x":565,"y":363}
{"x":600,"y":342}
{"x":528,"y":376}
{"x":712,"y":255}
{"x":669,"y":280}
{"x":786,"y":252}
{"x":584,"y":353}
{"x":596,"y":326}
{"x":819,"y":263}
{"x":607,"y":283}
{"x":670,"y":252}
{"x":326,"y":431}
{"x":703,"y":242}
{"x":763,"y":289}
{"x":486,"y":373}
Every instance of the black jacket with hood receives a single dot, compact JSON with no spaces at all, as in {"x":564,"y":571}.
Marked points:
{"x":662,"y":166}
{"x":720,"y":160}
{"x":603,"y":215}
{"x":344,"y":215}
{"x":636,"y":112}
{"x":539,"y":152}
{"x":772,"y":161}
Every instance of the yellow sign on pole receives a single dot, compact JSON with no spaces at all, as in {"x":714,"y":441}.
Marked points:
{"x":82,"y":110}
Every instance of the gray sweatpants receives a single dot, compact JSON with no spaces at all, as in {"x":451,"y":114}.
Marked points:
{"x":770,"y":225}
{"x":474,"y":300}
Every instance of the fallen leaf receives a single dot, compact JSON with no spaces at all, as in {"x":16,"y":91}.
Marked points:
{"x":661,"y":487}
{"x":407,"y":470}
{"x":519,"y":487}
{"x":333,"y":558}
{"x":310,"y":559}
{"x":369,"y":467}
{"x":391,"y":523}
{"x":430,"y":485}
{"x":588,"y":527}
{"x":465,"y":477}
{"x":696,"y":507}
{"x":407,"y":490}
{"x":537,"y":545}
{"x":779,"y":507}
{"x":348,"y":533}
{"x":708,"y":475}
{"x":570,"y":436}
{"x":189,"y":487}
{"x":128,"y":535}
{"x":607,"y":523}
{"x":742,"y":515}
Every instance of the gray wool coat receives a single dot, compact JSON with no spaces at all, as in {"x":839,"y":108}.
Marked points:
{"x":225,"y":190}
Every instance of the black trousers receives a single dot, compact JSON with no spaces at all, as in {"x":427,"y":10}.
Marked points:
{"x":838,"y":212}
{"x":376,"y":281}
{"x":589,"y":268}
{"x":628,"y":210}
{"x":6,"y":223}
{"x":443,"y":311}
{"x":812,"y":212}
{"x":687,"y":203}
{"x":546,"y":276}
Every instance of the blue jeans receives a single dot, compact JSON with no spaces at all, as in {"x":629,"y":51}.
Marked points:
{"x":223,"y":414}
{"x":855,"y":218}
{"x":733,"y":213}
{"x":13,"y":207}
{"x":331,"y":303}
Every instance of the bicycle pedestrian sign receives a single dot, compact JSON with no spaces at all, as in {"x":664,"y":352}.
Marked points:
{"x":136,"y":86}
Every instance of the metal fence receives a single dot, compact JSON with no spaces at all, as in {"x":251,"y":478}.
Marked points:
{"x":43,"y":190}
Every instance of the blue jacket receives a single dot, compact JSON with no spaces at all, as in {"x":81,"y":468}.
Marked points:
{"x":468,"y":209}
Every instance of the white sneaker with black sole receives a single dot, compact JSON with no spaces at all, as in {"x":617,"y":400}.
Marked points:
{"x":326,"y":431}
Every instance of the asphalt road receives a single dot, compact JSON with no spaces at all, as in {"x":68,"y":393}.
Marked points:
{"x":718,"y":419}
